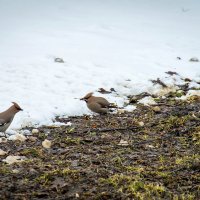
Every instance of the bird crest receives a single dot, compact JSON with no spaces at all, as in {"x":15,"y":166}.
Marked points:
{"x":87,"y":96}
{"x":17,"y":106}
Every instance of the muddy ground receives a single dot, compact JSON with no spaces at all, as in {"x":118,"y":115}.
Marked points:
{"x":150,"y":153}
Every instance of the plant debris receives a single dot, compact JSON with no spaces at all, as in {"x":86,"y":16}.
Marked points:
{"x":172,"y":73}
{"x":194,"y":59}
{"x":59,"y":60}
{"x":159,"y":82}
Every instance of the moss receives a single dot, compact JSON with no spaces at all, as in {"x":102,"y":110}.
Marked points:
{"x":135,"y":186}
{"x":173,"y":122}
{"x":72,"y":141}
{"x":35,"y":152}
{"x":70,"y":130}
{"x":186,"y":160}
{"x":196,"y":138}
{"x":5,"y":170}
{"x":47,"y":177}
{"x":136,"y":169}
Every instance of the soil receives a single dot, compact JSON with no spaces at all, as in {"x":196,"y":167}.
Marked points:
{"x":150,"y":153}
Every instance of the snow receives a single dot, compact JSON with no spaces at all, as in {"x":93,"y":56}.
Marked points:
{"x":189,"y":94}
{"x":147,"y":101}
{"x":17,"y":136}
{"x":119,"y":44}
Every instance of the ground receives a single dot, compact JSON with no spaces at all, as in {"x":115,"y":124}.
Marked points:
{"x":150,"y":153}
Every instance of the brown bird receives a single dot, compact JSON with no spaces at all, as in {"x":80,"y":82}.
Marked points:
{"x":7,"y":116}
{"x":97,"y":104}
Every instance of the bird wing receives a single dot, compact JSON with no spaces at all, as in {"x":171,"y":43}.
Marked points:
{"x":96,"y":107}
{"x":103,"y":102}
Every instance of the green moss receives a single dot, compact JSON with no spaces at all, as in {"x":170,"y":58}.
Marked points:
{"x":173,"y":122}
{"x":70,"y":130}
{"x":35,"y":152}
{"x":49,"y":176}
{"x":72,"y":141}
{"x":134,"y":186}
{"x":5,"y":170}
{"x":186,"y":160}
{"x":136,"y":169}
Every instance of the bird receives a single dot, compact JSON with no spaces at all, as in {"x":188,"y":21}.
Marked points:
{"x":97,"y":104}
{"x":7,"y":116}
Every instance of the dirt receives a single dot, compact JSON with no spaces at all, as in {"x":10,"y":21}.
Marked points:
{"x":150,"y":153}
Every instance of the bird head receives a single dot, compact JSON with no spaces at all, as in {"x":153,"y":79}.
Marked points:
{"x":17,"y":106}
{"x":87,"y":96}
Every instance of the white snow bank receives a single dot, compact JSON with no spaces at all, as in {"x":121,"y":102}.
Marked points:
{"x":119,"y":44}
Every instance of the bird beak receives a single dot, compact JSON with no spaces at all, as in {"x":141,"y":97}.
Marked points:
{"x":83,"y":99}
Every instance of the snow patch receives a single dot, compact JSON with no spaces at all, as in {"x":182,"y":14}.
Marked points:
{"x":147,"y":101}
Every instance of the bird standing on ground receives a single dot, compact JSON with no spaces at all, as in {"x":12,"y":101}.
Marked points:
{"x":7,"y":116}
{"x":97,"y":104}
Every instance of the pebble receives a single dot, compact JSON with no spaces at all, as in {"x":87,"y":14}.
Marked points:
{"x":3,"y":140}
{"x":46,"y":144}
{"x":141,"y":123}
{"x":32,"y":138}
{"x":2,"y":152}
{"x":18,"y":136}
{"x":156,"y":109}
{"x":34,"y":131}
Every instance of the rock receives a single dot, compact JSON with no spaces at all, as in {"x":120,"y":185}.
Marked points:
{"x":123,"y":143}
{"x":156,"y":109}
{"x":59,"y":60}
{"x":15,"y":171}
{"x":2,"y":152}
{"x":18,"y":136}
{"x":33,"y":171}
{"x":150,"y":146}
{"x":74,"y":163}
{"x":13,"y":159}
{"x":26,"y":132}
{"x":32,"y":138}
{"x":77,"y":195}
{"x":3,"y":140}
{"x":120,"y":111}
{"x":34,"y":131}
{"x":141,"y":123}
{"x":194,"y":59}
{"x":46,"y":144}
